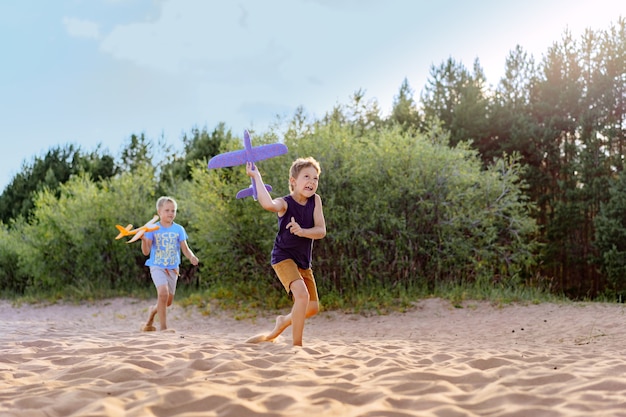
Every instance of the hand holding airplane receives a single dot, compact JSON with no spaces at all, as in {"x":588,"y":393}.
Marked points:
{"x":249,"y":154}
{"x":138,"y":232}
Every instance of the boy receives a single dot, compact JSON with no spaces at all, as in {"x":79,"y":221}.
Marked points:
{"x":300,"y":222}
{"x":164,"y":246}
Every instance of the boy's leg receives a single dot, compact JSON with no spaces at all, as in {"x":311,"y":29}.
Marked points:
{"x":149,"y":326}
{"x":282,"y":322}
{"x":288,"y":273}
{"x":165,"y":283}
{"x":163,"y":295}
{"x":156,"y":309}
{"x":295,"y":280}
{"x":298,"y":312}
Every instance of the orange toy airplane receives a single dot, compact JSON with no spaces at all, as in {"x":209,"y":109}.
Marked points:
{"x":138,"y":232}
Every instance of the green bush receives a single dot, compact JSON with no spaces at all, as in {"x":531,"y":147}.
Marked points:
{"x":408,"y":210}
{"x":405,"y":213}
{"x":402,"y":211}
{"x":12,"y":279}
{"x":69,"y":247}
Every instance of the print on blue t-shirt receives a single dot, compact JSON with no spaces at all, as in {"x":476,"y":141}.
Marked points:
{"x":165,"y":251}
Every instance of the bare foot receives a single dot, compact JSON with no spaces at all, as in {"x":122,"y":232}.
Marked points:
{"x":166,"y":330}
{"x":282,"y":322}
{"x":257,"y":339}
{"x":149,"y":327}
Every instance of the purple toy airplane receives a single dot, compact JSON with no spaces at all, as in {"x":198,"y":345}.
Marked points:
{"x":249,"y":154}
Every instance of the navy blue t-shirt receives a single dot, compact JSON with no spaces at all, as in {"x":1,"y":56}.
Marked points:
{"x":288,"y":245}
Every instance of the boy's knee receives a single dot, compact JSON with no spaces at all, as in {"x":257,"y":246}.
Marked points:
{"x":299,"y":291}
{"x":313,"y":308}
{"x":163,"y":296}
{"x":301,"y":297}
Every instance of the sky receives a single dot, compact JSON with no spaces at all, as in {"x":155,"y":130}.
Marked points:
{"x":93,"y":72}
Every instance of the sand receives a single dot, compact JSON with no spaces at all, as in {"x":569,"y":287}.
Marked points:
{"x":436,"y":360}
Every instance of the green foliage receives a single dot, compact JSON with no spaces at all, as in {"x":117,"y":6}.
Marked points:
{"x":470,"y":193}
{"x":201,"y":146}
{"x":458,"y":98}
{"x":234,"y":236}
{"x":12,"y":279}
{"x":405,"y":213}
{"x":69,"y":247}
{"x":137,"y":153}
{"x":56,"y":167}
{"x":405,"y":113}
{"x":610,"y":237}
{"x":404,"y":210}
{"x":565,"y":118}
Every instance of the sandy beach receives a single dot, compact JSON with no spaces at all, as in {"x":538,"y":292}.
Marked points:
{"x":436,"y":360}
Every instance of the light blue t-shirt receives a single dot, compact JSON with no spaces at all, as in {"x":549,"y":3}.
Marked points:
{"x":165,"y":250}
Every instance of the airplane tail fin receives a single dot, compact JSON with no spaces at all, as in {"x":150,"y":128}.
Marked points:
{"x":124,"y":231}
{"x":246,"y":192}
{"x":249,"y":192}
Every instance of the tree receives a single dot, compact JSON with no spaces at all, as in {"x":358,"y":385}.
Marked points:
{"x":403,"y":210}
{"x":511,"y":120}
{"x":457,"y":98}
{"x":56,"y":167}
{"x":68,"y":245}
{"x":405,"y":112}
{"x":201,"y":146}
{"x":610,"y":237}
{"x":138,"y":153}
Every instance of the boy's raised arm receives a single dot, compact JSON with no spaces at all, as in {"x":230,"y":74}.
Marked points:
{"x":265,"y":199}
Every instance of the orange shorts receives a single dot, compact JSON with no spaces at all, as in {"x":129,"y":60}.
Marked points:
{"x":288,"y":272}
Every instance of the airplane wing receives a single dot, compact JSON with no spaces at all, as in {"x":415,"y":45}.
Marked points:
{"x":137,"y":236}
{"x":248,"y":154}
{"x":240,"y":157}
{"x":262,"y":152}
{"x":138,"y":232}
{"x":228,"y":159}
{"x":152,"y":221}
{"x":142,"y":231}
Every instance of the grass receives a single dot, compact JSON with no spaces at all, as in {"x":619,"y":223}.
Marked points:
{"x":247,"y":299}
{"x":247,"y":302}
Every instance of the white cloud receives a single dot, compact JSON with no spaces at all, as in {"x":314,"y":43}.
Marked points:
{"x":187,"y":35}
{"x":249,"y":61}
{"x":288,"y":48}
{"x":81,"y":28}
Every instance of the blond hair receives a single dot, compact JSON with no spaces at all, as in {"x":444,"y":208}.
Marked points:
{"x":165,"y":199}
